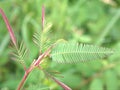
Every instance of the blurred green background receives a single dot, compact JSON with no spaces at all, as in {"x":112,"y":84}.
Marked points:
{"x":86,"y":21}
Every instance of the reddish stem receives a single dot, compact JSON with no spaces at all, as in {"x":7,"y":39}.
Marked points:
{"x":33,"y":65}
{"x":64,"y":86}
{"x":27,"y":72}
{"x":38,"y":61}
{"x":8,"y":27}
{"x":23,"y":81}
{"x":12,"y":36}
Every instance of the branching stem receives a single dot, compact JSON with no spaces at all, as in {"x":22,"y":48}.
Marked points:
{"x":34,"y":64}
{"x":37,"y":62}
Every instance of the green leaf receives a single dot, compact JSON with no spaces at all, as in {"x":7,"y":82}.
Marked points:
{"x":74,"y":52}
{"x":41,"y":38}
{"x":96,"y":85}
{"x":37,"y":38}
{"x":111,"y":80}
{"x":20,"y":53}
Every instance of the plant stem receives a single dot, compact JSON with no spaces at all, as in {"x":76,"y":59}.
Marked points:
{"x":27,"y":72}
{"x":23,"y":81}
{"x":64,"y":86}
{"x":32,"y":66}
{"x":8,"y":27}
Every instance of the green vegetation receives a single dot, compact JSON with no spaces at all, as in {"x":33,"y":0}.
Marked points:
{"x":91,"y":22}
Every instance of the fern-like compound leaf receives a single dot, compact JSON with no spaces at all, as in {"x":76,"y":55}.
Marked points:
{"x":19,"y":54}
{"x":41,"y":38}
{"x":73,"y":53}
{"x":37,"y":38}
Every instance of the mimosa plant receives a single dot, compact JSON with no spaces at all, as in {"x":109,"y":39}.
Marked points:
{"x":59,"y":51}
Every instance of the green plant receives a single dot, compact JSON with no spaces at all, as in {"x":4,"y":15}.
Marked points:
{"x":59,"y":51}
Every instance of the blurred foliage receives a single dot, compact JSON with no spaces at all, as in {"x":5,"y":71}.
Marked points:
{"x":85,"y":21}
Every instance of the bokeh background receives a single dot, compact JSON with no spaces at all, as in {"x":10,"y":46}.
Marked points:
{"x":85,"y":21}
